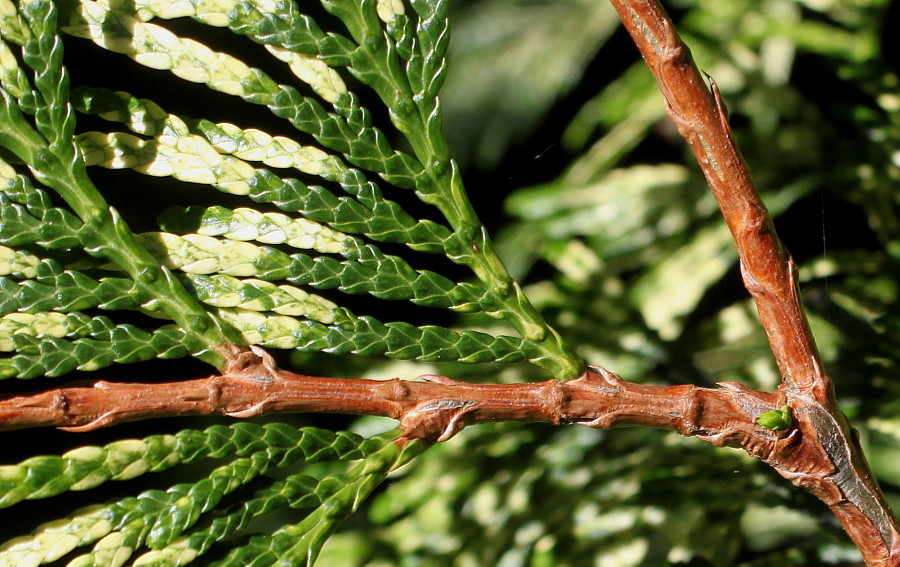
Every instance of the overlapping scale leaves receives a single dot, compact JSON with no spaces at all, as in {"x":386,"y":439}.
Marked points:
{"x":307,"y":217}
{"x":398,"y":56}
{"x":336,"y":222}
{"x":276,"y":233}
{"x":42,"y":311}
{"x":185,"y":521}
{"x":327,"y":236}
{"x":41,"y":319}
{"x":635,"y":247}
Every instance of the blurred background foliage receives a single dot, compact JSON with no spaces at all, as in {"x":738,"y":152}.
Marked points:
{"x":603,"y":214}
{"x":600,"y":211}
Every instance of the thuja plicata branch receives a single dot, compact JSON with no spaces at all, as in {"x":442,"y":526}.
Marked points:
{"x":820,"y":453}
{"x":799,"y":430}
{"x":432,"y":408}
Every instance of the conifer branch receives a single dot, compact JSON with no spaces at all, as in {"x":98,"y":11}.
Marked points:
{"x":433,"y":407}
{"x":799,"y":430}
{"x":822,"y":454}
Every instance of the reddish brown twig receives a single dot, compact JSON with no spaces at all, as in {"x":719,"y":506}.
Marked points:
{"x":432,"y":407}
{"x":819,"y":453}
{"x":823,"y":455}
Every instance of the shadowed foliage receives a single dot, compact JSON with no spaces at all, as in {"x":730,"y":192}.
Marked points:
{"x":181,"y":176}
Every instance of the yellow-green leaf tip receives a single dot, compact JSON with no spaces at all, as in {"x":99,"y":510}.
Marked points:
{"x":776,"y":419}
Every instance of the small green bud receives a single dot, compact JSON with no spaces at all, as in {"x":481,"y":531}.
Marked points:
{"x":776,"y":419}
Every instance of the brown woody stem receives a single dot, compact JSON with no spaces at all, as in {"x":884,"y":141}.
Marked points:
{"x":433,"y":407}
{"x":823,"y":454}
{"x":768,"y":270}
{"x":819,"y":453}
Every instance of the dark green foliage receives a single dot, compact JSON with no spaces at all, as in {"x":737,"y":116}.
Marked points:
{"x":87,"y":467}
{"x":631,"y":241}
{"x":341,"y":228}
{"x":66,"y":256}
{"x":156,"y":518}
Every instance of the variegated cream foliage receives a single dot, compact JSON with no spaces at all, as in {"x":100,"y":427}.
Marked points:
{"x":56,"y":539}
{"x":275,"y":151}
{"x":221,"y":243}
{"x":14,"y":27}
{"x":17,"y":263}
{"x":257,"y":295}
{"x":188,"y":159}
{"x":417,"y":110}
{"x":388,"y":10}
{"x":155,"y":47}
{"x":91,"y":466}
{"x":158,"y":48}
{"x":219,"y":159}
{"x":276,"y":331}
{"x":7,"y":174}
{"x":52,"y":324}
{"x":272,"y":228}
{"x":11,"y":76}
{"x":117,"y":529}
{"x":323,"y":80}
{"x":196,"y":254}
{"x":210,"y":12}
{"x":71,"y":266}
